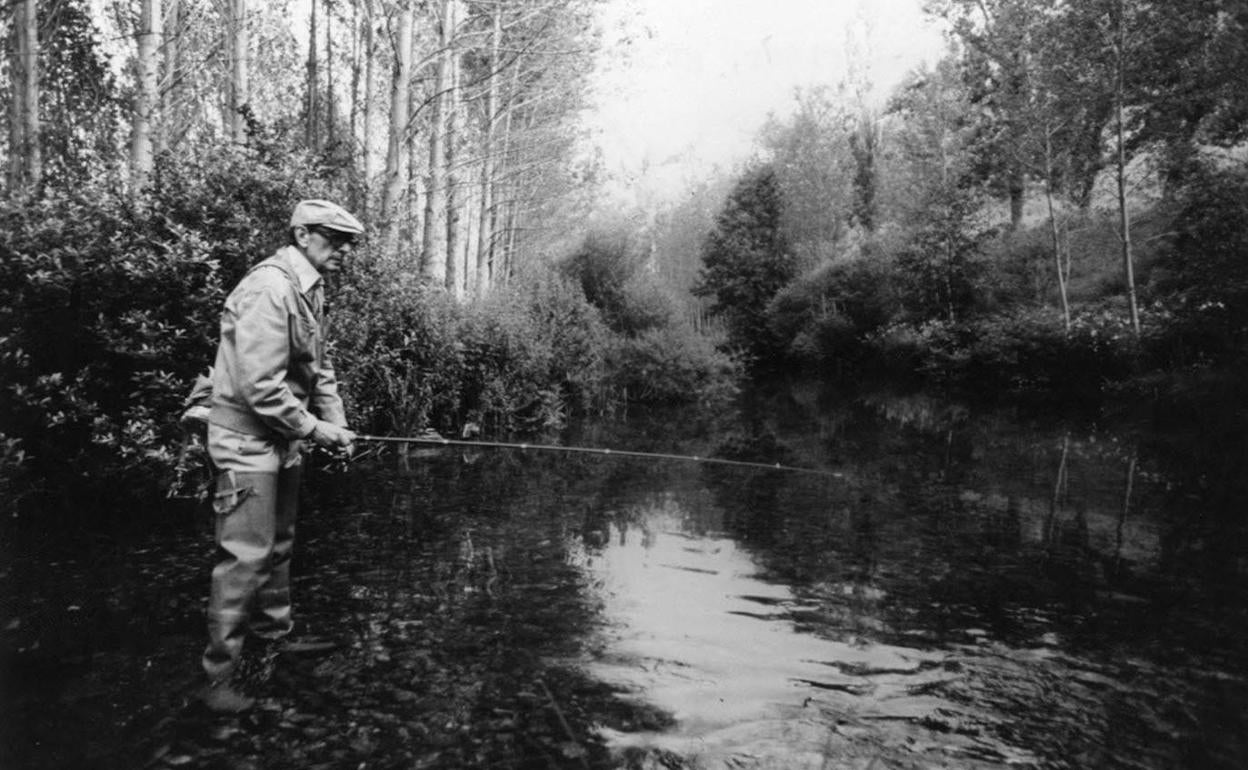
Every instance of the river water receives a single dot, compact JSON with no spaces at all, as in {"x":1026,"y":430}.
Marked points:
{"x":964,"y":589}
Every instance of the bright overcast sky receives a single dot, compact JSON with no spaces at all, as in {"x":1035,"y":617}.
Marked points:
{"x":701,"y":76}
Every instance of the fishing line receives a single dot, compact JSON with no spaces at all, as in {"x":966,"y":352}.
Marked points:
{"x":592,"y":450}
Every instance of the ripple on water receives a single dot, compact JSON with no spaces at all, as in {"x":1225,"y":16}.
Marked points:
{"x":693,"y":630}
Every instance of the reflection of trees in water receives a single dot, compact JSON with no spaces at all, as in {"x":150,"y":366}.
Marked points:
{"x":974,"y":515}
{"x":1206,"y":529}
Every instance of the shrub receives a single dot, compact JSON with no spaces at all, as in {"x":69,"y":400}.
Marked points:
{"x":239,"y":204}
{"x":1031,"y":351}
{"x":534,"y":355}
{"x":1204,"y":283}
{"x":412,"y":358}
{"x":942,"y":269}
{"x":394,"y":347}
{"x":1027,"y":351}
{"x":825,"y":315}
{"x":106,"y":314}
{"x":669,"y":365}
{"x":610,"y":269}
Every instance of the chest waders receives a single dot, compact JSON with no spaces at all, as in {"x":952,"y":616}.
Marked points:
{"x":255,"y":530}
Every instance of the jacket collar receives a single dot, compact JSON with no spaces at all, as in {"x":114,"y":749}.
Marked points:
{"x":307,"y":275}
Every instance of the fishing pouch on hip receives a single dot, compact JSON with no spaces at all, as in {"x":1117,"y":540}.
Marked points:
{"x":229,"y":494}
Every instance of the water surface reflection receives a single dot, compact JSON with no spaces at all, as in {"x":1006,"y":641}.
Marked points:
{"x":694,"y":629}
{"x":976,"y":590}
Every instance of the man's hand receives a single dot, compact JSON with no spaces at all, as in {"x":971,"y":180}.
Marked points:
{"x":333,"y":437}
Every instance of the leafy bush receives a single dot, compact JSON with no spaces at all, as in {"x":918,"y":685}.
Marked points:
{"x":413,"y":358}
{"x":671,"y":365}
{"x":239,"y":202}
{"x":1027,"y":351}
{"x":534,"y":354}
{"x":610,"y":269}
{"x":106,"y":315}
{"x":655,"y":358}
{"x":1031,"y":351}
{"x":394,"y":346}
{"x":942,"y":269}
{"x":1204,"y":276}
{"x":824,"y":315}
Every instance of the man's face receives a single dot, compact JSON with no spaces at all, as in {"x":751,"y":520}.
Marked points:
{"x":325,"y":248}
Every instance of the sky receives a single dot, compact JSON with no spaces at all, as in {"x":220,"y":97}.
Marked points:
{"x":685,"y":85}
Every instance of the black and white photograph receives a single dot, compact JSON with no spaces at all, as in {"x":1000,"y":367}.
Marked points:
{"x":624,"y":385}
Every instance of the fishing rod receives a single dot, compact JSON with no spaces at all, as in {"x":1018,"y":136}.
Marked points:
{"x":439,"y":441}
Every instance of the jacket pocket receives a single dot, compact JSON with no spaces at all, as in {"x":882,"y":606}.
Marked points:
{"x":305,"y":338}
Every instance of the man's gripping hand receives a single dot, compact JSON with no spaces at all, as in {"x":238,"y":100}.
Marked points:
{"x":333,"y":437}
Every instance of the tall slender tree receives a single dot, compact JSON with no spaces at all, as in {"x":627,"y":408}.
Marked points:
{"x":1120,"y":22}
{"x":395,"y":180}
{"x":312,"y":130}
{"x":433,"y":260}
{"x":147,"y":94}
{"x":487,"y":214}
{"x":454,"y":202}
{"x":368,"y":55}
{"x":25,"y":145}
{"x":172,"y":45}
{"x":240,"y":86}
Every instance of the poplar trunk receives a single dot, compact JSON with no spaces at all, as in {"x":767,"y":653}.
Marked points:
{"x":239,"y":85}
{"x":485,"y":225}
{"x":25,"y":154}
{"x":147,"y":94}
{"x":1124,"y":214}
{"x":312,"y":129}
{"x":396,"y":178}
{"x":433,"y":250}
{"x":454,"y":257}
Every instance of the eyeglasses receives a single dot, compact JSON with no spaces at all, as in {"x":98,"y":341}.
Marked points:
{"x":337,"y":239}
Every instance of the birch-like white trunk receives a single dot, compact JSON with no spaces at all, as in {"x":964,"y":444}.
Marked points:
{"x":396,"y":174}
{"x":147,"y":95}
{"x":433,"y":249}
{"x":1124,"y":214}
{"x":454,"y":258}
{"x":486,"y":215}
{"x":25,"y":153}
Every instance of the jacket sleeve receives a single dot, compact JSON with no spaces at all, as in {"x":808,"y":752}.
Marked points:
{"x":324,"y":399}
{"x":262,"y":340}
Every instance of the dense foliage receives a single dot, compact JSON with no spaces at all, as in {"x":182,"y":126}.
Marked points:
{"x":947,"y":303}
{"x":655,"y":357}
{"x":109,"y":306}
{"x":524,"y":360}
{"x":1055,"y":208}
{"x":106,"y":311}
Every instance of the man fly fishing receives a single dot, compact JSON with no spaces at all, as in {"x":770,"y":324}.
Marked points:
{"x":274,"y":392}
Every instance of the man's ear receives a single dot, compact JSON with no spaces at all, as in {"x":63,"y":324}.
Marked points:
{"x":302,"y":236}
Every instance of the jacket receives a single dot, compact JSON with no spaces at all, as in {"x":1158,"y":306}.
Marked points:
{"x":271,"y":375}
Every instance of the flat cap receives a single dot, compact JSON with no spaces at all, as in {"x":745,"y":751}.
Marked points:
{"x":325,"y":214}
